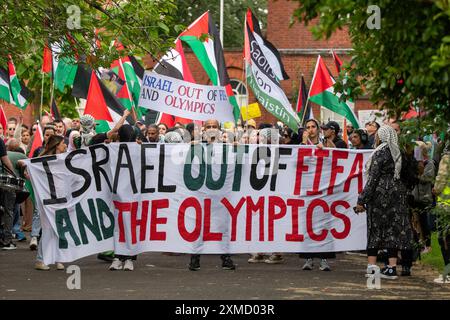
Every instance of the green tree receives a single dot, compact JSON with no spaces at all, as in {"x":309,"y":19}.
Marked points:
{"x":143,"y":27}
{"x":234,"y":16}
{"x":405,"y":61}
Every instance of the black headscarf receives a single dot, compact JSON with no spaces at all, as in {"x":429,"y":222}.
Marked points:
{"x":127,"y":133}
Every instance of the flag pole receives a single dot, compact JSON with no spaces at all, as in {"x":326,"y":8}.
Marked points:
{"x":312,"y":82}
{"x":42,"y":96}
{"x":51,"y":94}
{"x":221,"y":22}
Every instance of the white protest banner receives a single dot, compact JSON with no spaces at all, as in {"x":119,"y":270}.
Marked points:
{"x":215,"y":198}
{"x":74,"y":202}
{"x":184,"y":99}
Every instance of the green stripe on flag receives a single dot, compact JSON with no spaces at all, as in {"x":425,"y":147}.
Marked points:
{"x":200,"y":51}
{"x":15,"y":90}
{"x":132,"y":81}
{"x":330,"y":101}
{"x":236,"y":109}
{"x":65,"y":74}
{"x":5,"y":94}
{"x":271,"y":104}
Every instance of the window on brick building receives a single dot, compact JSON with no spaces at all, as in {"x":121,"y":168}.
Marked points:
{"x":240,"y":92}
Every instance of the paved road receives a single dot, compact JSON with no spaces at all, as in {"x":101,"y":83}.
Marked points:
{"x":159,"y":276}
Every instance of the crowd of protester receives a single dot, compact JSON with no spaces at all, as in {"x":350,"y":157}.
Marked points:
{"x":402,"y":186}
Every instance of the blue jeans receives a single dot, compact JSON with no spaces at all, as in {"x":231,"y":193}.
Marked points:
{"x":39,"y":255}
{"x":16,"y":223}
{"x":36,"y":224}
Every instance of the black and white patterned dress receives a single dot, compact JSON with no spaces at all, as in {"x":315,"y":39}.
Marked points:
{"x":388,"y":223}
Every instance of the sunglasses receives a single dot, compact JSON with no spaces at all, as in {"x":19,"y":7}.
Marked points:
{"x":211,"y":127}
{"x":11,"y":128}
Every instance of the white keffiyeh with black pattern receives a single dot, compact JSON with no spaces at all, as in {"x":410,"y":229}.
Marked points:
{"x":389,"y":138}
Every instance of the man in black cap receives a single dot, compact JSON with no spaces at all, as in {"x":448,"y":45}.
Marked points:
{"x":331,"y":134}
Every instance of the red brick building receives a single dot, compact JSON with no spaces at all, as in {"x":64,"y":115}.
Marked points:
{"x":299,"y":53}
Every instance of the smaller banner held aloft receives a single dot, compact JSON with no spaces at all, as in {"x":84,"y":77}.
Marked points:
{"x":251,"y":111}
{"x":184,"y":99}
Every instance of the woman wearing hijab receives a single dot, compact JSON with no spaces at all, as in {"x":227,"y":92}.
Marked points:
{"x":384,"y":199}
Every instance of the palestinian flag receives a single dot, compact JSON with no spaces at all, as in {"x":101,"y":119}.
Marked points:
{"x":128,"y":94}
{"x":268,"y":49}
{"x":21,"y":95}
{"x":63,"y":69}
{"x":322,"y":93}
{"x":130,"y":73}
{"x":5,"y":92}
{"x":264,"y":70}
{"x":203,"y":38}
{"x":337,"y":61}
{"x":303,"y":106}
{"x":101,"y":103}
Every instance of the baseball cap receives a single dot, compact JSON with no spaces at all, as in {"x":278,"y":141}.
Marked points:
{"x":332,"y":125}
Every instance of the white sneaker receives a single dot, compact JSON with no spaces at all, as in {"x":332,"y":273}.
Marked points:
{"x":10,"y":246}
{"x":256,"y":258}
{"x":324,"y":266}
{"x":441,"y":279}
{"x":33,"y":243}
{"x":308,"y":264}
{"x":41,"y":266}
{"x":116,"y":264}
{"x":59,"y":266}
{"x":274,"y":259}
{"x":128,"y":265}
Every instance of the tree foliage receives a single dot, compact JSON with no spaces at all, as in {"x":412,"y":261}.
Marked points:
{"x":405,"y":61}
{"x":143,"y":27}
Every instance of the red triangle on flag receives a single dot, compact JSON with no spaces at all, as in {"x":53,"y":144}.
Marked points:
{"x":198,"y":27}
{"x":321,"y":79}
{"x":37,"y":141}
{"x":123,"y":92}
{"x":96,"y":104}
